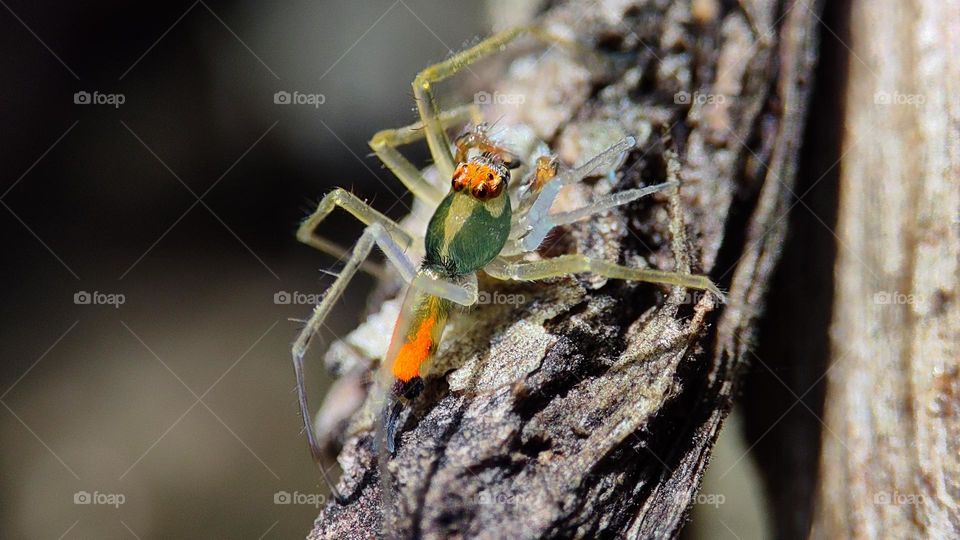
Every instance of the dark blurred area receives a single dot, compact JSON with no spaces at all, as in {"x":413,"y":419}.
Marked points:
{"x":172,"y":414}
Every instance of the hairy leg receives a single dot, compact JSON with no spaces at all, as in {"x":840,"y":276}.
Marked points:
{"x":534,"y":221}
{"x":385,"y":143}
{"x":307,"y":233}
{"x":375,"y":234}
{"x":576,"y":264}
{"x":427,"y":103}
{"x":607,"y":202}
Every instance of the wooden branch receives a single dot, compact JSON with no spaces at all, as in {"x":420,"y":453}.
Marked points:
{"x":891,"y":457}
{"x":591,"y":408}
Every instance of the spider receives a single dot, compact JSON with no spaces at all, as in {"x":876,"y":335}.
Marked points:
{"x":492,"y":219}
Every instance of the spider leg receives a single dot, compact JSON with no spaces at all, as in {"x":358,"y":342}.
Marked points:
{"x":606,"y":202}
{"x":463,"y":290}
{"x":538,"y":222}
{"x":576,"y":264}
{"x":375,"y":234}
{"x":359,"y":209}
{"x":384,"y":144}
{"x":534,"y":221}
{"x":427,"y":103}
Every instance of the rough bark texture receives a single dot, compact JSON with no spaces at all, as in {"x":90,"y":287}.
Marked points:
{"x":591,"y":407}
{"x":891,"y":458}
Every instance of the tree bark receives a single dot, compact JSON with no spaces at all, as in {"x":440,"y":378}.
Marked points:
{"x":891,"y":448}
{"x":591,"y":407}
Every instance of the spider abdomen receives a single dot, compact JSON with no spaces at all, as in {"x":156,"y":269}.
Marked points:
{"x":465,"y":233}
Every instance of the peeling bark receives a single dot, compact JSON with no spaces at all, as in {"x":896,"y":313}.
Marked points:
{"x":591,"y":407}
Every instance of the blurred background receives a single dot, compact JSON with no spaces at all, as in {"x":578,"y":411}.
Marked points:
{"x":151,"y":187}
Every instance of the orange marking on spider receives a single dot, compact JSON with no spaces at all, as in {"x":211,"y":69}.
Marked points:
{"x":415,"y":351}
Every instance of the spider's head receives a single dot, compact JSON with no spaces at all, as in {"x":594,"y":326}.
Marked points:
{"x":483,"y":176}
{"x":471,"y":224}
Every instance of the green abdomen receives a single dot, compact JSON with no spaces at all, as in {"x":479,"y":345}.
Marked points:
{"x":465,"y":234}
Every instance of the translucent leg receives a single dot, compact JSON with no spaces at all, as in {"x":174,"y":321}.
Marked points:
{"x":359,"y":209}
{"x":575,"y":264}
{"x":463,"y":291}
{"x":606,"y":202}
{"x":385,"y":144}
{"x":377,"y":234}
{"x":535,"y":223}
{"x":427,"y":103}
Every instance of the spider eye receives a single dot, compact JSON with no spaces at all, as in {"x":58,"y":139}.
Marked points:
{"x":496,"y":189}
{"x":457,"y":183}
{"x":480,"y":191}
